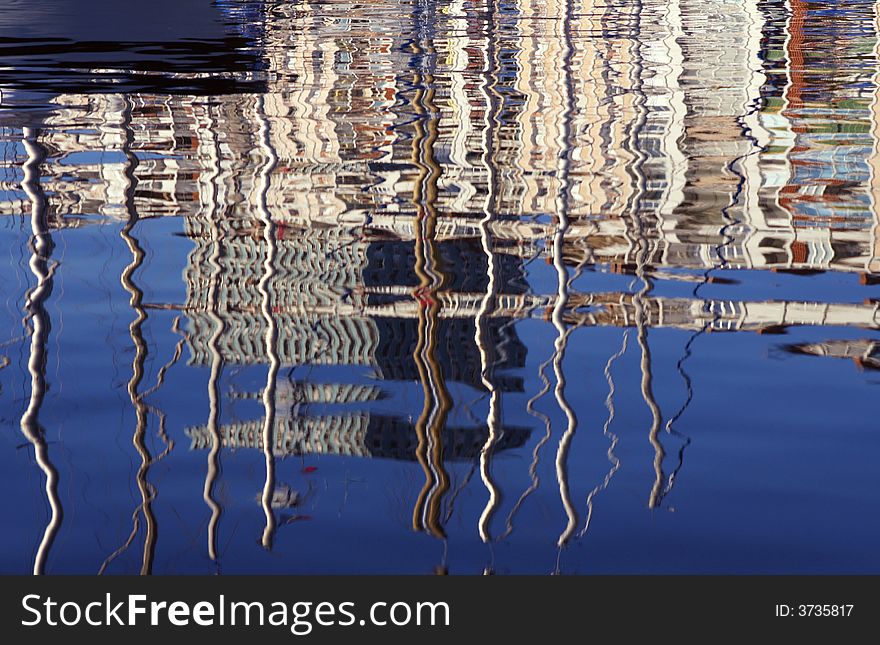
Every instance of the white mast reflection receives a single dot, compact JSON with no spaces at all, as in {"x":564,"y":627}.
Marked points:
{"x":213,"y":469}
{"x":493,"y":417}
{"x":562,"y":286}
{"x":271,"y":337}
{"x":40,"y":246}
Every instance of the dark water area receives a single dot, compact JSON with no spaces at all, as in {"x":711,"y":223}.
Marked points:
{"x":417,"y":287}
{"x":101,"y":46}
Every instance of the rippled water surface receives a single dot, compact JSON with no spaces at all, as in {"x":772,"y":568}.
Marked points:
{"x":507,"y":286}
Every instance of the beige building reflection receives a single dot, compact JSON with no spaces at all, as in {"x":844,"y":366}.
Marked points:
{"x":691,"y":141}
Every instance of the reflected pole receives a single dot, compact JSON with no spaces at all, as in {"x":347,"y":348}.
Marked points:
{"x":41,"y":246}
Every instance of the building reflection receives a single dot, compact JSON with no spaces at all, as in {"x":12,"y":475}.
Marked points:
{"x":378,"y":205}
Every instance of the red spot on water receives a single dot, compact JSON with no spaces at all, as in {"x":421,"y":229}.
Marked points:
{"x":424,"y":297}
{"x":310,"y":469}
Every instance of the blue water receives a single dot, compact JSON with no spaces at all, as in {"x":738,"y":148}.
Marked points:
{"x":408,"y":287}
